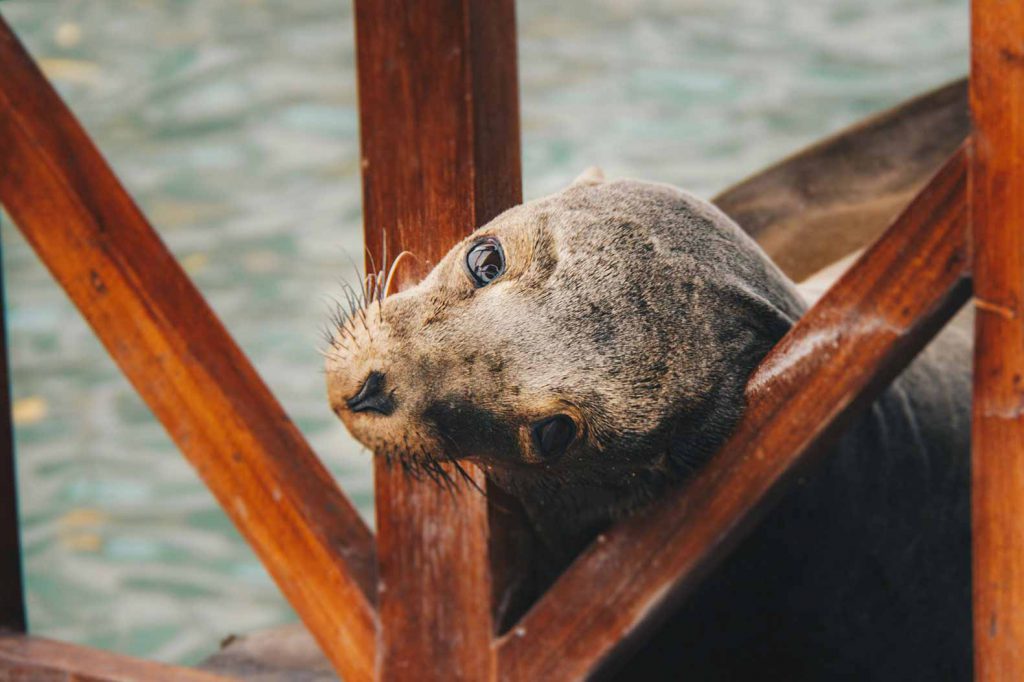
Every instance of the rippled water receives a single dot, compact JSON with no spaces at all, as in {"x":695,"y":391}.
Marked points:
{"x":233,"y":123}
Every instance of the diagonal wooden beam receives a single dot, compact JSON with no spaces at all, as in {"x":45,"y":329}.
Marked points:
{"x":181,"y":360}
{"x":43,"y":660}
{"x":830,"y":365}
{"x":997,"y":222}
{"x":439,"y":119}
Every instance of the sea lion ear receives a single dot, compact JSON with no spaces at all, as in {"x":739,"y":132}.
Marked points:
{"x":591,"y":176}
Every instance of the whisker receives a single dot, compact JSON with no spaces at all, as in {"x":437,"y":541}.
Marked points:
{"x":409,"y":470}
{"x":373,"y":263}
{"x":333,"y":355}
{"x":339,"y":320}
{"x":384,"y":258}
{"x":391,"y":272}
{"x":350,"y":298}
{"x":465,"y":476}
{"x":449,"y":482}
{"x":369,"y":285}
{"x":356,"y":269}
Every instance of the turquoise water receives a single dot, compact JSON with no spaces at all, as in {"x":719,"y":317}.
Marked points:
{"x":234,"y":124}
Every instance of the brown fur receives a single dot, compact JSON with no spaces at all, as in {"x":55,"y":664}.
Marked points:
{"x":650,"y":366}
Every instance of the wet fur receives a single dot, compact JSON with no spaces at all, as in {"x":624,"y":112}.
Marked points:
{"x":641,"y":311}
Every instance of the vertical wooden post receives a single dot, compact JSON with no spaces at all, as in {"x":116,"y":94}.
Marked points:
{"x":440,"y":146}
{"x":12,"y":594}
{"x":997,"y":219}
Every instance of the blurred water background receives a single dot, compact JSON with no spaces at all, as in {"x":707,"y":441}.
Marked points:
{"x":234,"y":124}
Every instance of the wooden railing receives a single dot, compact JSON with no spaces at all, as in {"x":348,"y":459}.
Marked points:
{"x":438,"y":97}
{"x":997,"y":221}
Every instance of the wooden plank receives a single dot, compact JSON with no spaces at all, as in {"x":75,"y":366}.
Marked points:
{"x":34,"y":659}
{"x":832,"y":363}
{"x":997,"y":220}
{"x":12,"y":588}
{"x":181,"y":360}
{"x":435,"y":596}
{"x":440,"y":145}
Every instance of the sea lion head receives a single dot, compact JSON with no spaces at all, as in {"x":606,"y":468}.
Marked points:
{"x":584,"y":349}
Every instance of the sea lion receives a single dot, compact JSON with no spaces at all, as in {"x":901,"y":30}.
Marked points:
{"x":806,"y":212}
{"x":590,"y":349}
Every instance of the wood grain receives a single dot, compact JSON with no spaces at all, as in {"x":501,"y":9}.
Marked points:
{"x":157,"y":327}
{"x":12,"y":588}
{"x":997,"y":220}
{"x":830,"y":365}
{"x":440,"y":144}
{"x":34,"y":659}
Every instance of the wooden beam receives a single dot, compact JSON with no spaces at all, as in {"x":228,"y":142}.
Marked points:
{"x":12,"y":587}
{"x":157,"y":327}
{"x":42,"y":660}
{"x":997,"y":221}
{"x":440,"y":144}
{"x":830,"y":365}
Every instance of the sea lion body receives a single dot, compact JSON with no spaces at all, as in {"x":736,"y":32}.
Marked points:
{"x":633,"y":313}
{"x":862,"y":571}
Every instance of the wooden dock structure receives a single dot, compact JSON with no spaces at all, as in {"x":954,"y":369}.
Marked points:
{"x":440,"y":143}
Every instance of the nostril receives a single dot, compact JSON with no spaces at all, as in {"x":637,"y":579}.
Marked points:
{"x":372,"y":396}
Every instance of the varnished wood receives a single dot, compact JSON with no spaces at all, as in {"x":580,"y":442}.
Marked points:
{"x":838,"y":195}
{"x":34,"y":659}
{"x":181,"y":360}
{"x":830,"y":365}
{"x":435,"y":606}
{"x":440,"y":146}
{"x":997,"y":220}
{"x":12,"y":590}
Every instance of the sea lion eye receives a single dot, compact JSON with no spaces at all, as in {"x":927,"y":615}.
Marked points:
{"x":485,"y":261}
{"x":553,"y":435}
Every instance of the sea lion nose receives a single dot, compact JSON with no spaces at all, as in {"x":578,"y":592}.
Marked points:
{"x":372,"y":396}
